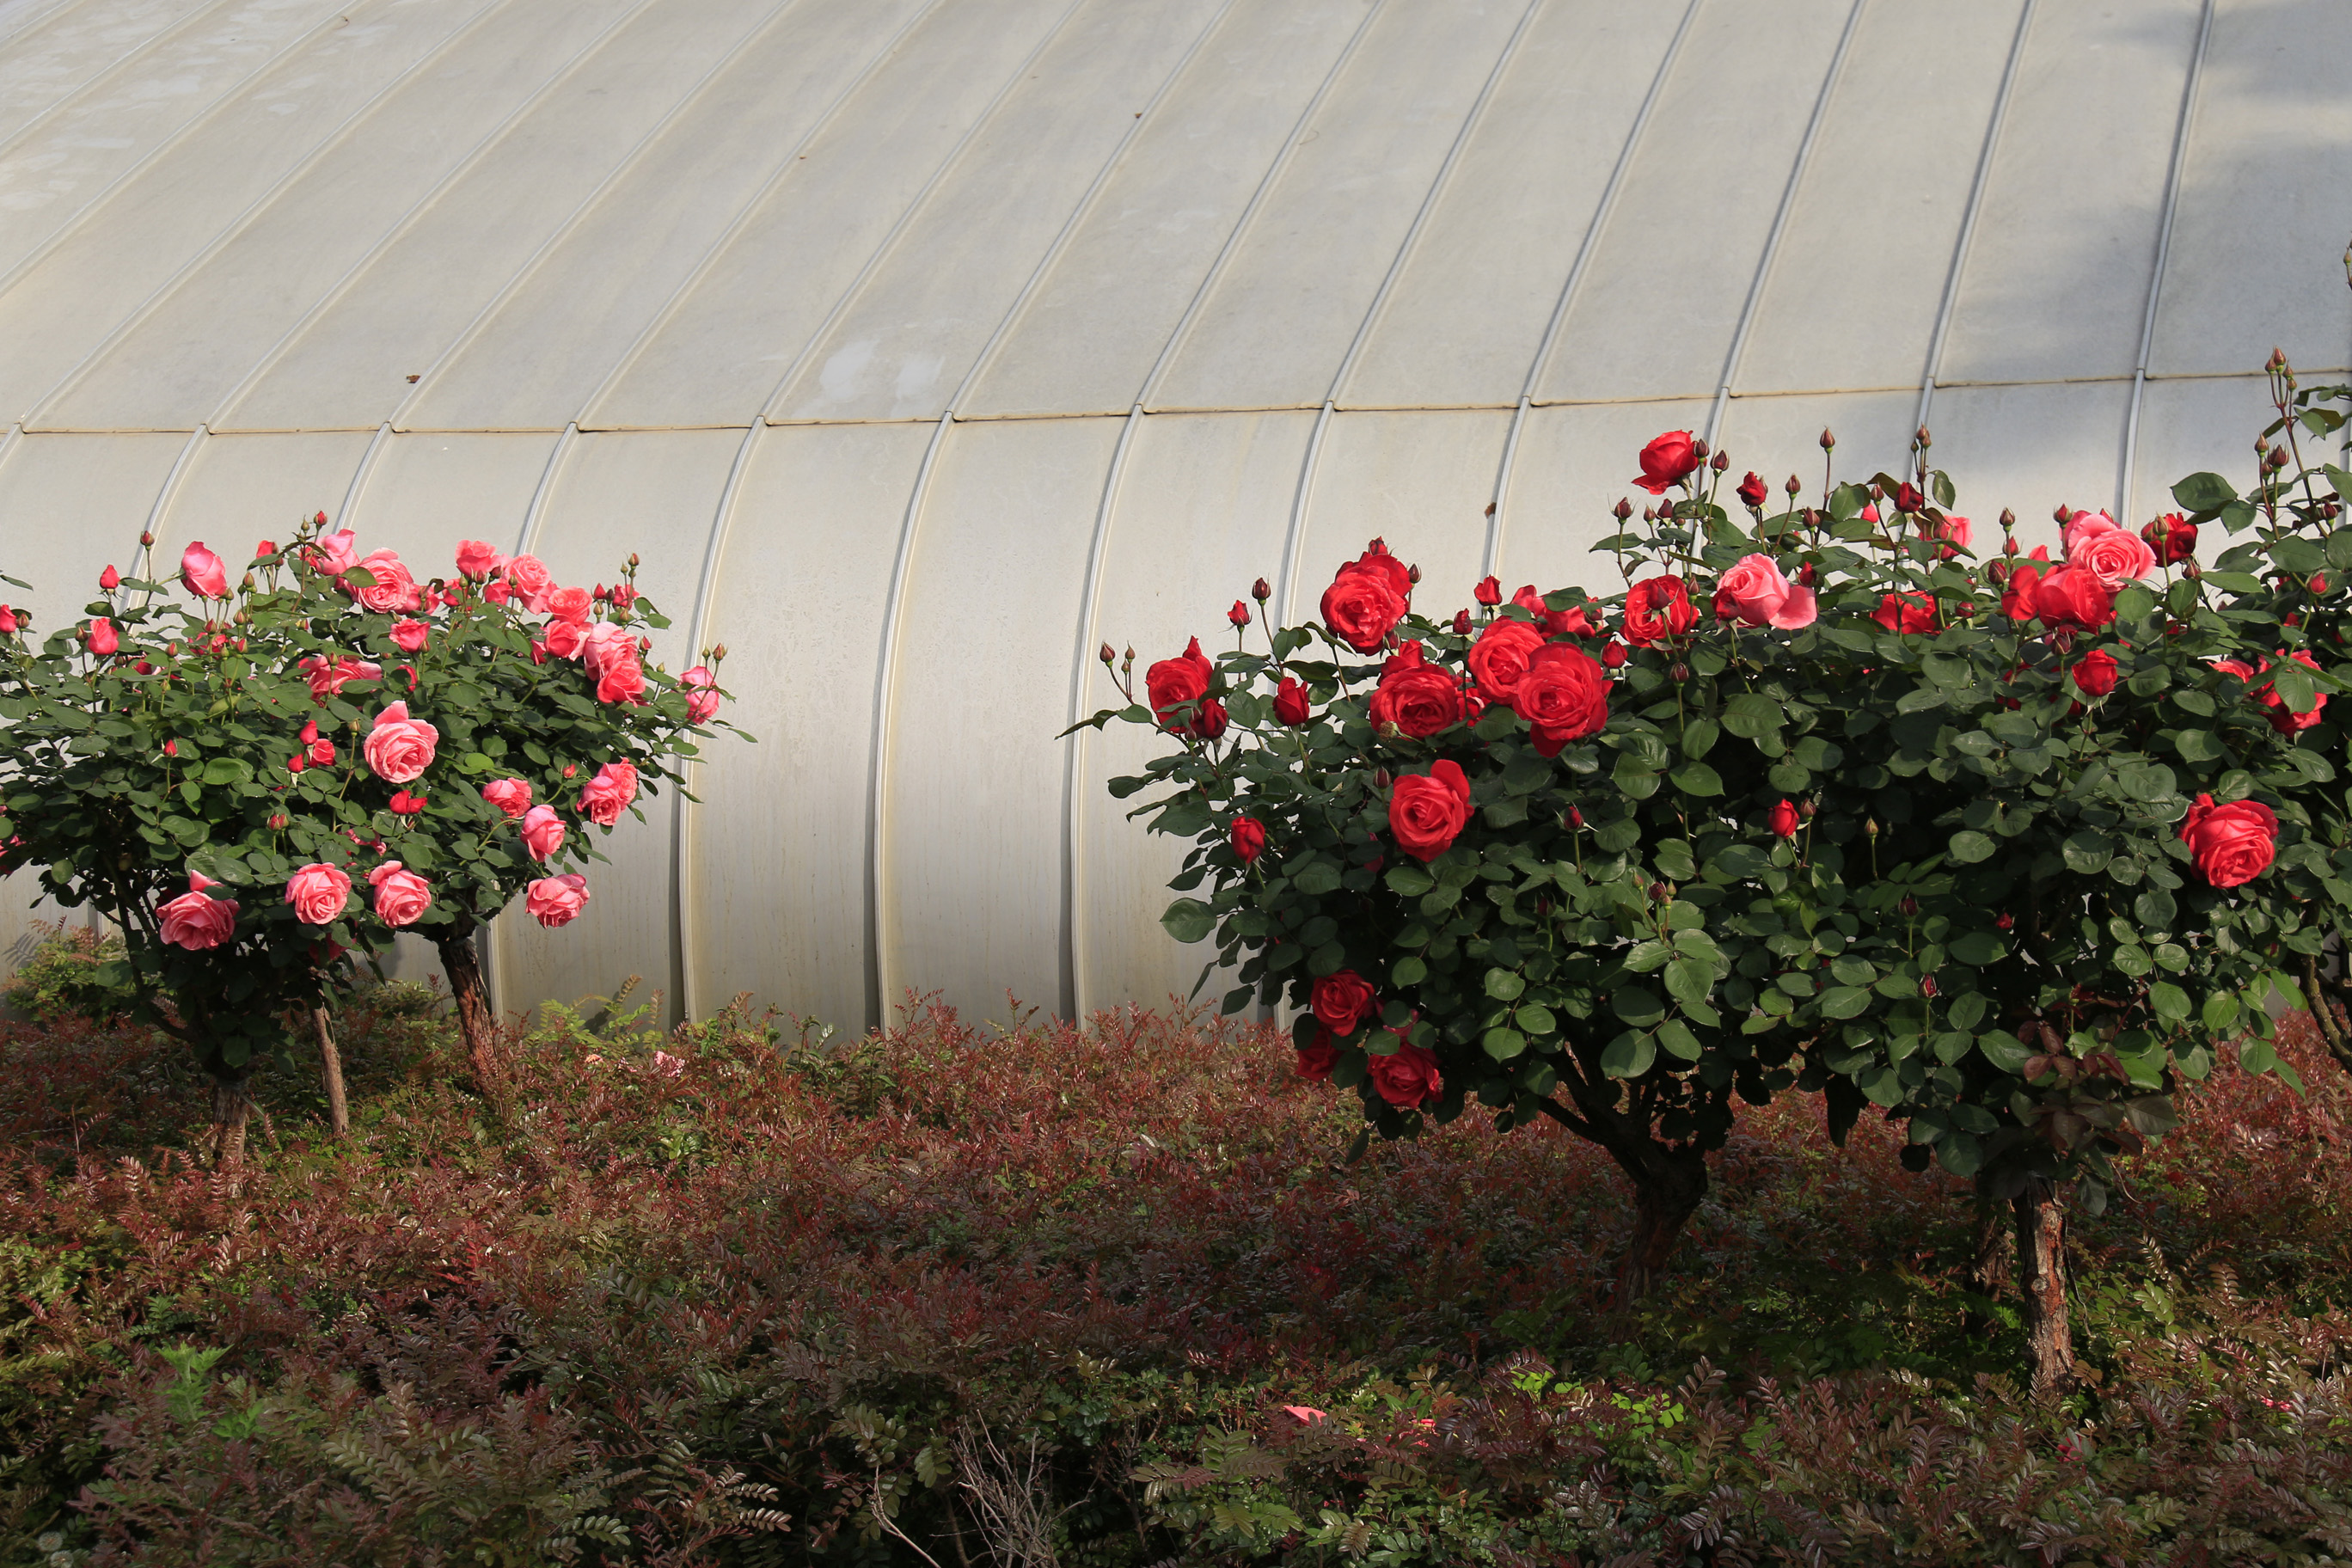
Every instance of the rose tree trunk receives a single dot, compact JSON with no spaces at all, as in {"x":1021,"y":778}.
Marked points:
{"x":2042,"y":1279}
{"x":473,"y":1018}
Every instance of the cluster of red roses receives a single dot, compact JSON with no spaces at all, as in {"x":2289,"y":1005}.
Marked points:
{"x":1530,"y":658}
{"x":399,"y":747}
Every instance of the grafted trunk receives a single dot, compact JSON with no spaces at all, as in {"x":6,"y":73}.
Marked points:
{"x":1666,"y":1192}
{"x":2041,"y":1212}
{"x":474,"y":1020}
{"x":331,"y":1068}
{"x":2327,"y":1011}
{"x":232,"y":1104}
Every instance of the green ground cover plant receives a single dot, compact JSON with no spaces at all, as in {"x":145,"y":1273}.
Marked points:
{"x":1113,"y":1295}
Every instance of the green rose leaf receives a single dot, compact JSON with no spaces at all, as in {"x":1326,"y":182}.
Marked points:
{"x":1189,"y":920}
{"x":2204,"y":493}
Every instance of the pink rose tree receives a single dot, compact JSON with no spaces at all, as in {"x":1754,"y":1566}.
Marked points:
{"x":262,"y":777}
{"x":1855,"y":797}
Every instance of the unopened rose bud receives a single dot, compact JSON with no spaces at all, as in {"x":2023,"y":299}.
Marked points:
{"x":278,"y":819}
{"x":1381,"y":779}
{"x":1260,"y":591}
{"x":1721,"y":461}
{"x":2062,"y":515}
{"x":2008,"y":524}
{"x":109,"y":579}
{"x":1107,"y":655}
{"x":1699,"y":450}
{"x":1649,"y":514}
{"x":2278,"y":457}
{"x":570,"y":769}
{"x":1239,"y":615}
{"x":1793,"y":486}
{"x":1828,"y":441}
{"x":2189,"y":569}
{"x":1926,"y":986}
{"x":1805,"y":808}
{"x":1413,"y":573}
{"x":1870,"y":826}
{"x":147,"y":541}
{"x":1679,"y":671}
{"x":2005,"y":922}
{"x":1462,"y":622}
{"x":1878,"y":492}
{"x":1623,"y":509}
{"x":719,"y":652}
{"x":248,"y":583}
{"x":1925,"y":441}
{"x":1909,"y":906}
{"x":1659,"y":892}
{"x":1575,"y":818}
{"x":1613,"y":656}
{"x":321,"y":519}
{"x":632,"y":560}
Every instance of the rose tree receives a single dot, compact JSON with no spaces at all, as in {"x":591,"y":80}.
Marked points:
{"x":1814,"y":797}
{"x":264,"y":776}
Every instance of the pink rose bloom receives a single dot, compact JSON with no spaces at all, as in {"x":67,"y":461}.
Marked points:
{"x":102,"y":638}
{"x":204,"y":574}
{"x":542,"y":832}
{"x":529,"y":576}
{"x":409,"y":636}
{"x":605,"y":796}
{"x":510,"y":795}
{"x":400,"y":747}
{"x":318,"y":892}
{"x":328,"y":676}
{"x":605,"y":642}
{"x":1755,"y":591}
{"x":197,"y":921}
{"x":477,"y":560}
{"x":393,"y":590}
{"x":556,"y":900}
{"x":400,"y":897}
{"x":336,"y":553}
{"x":1956,"y":531}
{"x":701,"y":694}
{"x":571,"y":605}
{"x":497,"y":593}
{"x":624,"y":680}
{"x":2108,"y":550}
{"x":564,"y":639}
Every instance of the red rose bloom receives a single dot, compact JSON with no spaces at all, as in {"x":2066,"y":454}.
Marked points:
{"x":1317,"y":1059}
{"x":1666,"y":460}
{"x":1249,"y":839}
{"x":1426,"y":812}
{"x":1489,"y":592}
{"x":1361,"y":608}
{"x":1406,"y":1078}
{"x":1500,"y":656}
{"x":2173,"y":538}
{"x":2070,"y":599}
{"x":1905,"y":613}
{"x":1563,"y":695}
{"x":1290,"y":703}
{"x":2283,"y":719}
{"x":2096,"y":673}
{"x":1658,"y":607}
{"x":1343,"y":1001}
{"x":1752,"y":490}
{"x":1416,"y":696}
{"x":1172,"y":682}
{"x":1785,"y":820}
{"x":2233,"y":844}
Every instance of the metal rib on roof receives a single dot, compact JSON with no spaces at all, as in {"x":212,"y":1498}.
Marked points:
{"x":919,"y":345}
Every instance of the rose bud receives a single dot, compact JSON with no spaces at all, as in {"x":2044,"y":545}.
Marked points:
{"x":1462,"y":622}
{"x":147,"y":541}
{"x":1909,"y":906}
{"x":171,"y":748}
{"x":1784,"y":819}
{"x":1260,"y":591}
{"x":277,"y":820}
{"x":1678,"y":672}
{"x":321,"y":519}
{"x":2005,"y":922}
{"x":1699,"y":450}
{"x":1793,"y":486}
{"x":1753,"y":491}
{"x":407,"y":804}
{"x":1926,"y":986}
{"x":1575,"y":817}
{"x":322,"y":753}
{"x":1381,"y":779}
{"x":109,"y":579}
{"x":1908,"y":499}
{"x":1239,"y":615}
{"x":295,"y":764}
{"x":1249,"y":839}
{"x":101,"y":637}
{"x":1107,"y":654}
{"x":1413,"y":573}
{"x":1623,"y":509}
{"x":1290,"y":703}
{"x":1659,"y":892}
{"x":1613,"y":656}
{"x":1490,"y":591}
{"x":1828,"y":440}
{"x":265,"y":549}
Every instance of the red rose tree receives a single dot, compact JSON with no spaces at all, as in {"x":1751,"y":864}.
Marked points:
{"x":268,"y":776}
{"x":1842,"y":797}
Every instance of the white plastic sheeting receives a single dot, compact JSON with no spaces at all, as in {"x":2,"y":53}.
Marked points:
{"x":920,"y":345}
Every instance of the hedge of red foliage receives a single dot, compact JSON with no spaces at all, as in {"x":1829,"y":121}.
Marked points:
{"x":1111,"y":1291}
